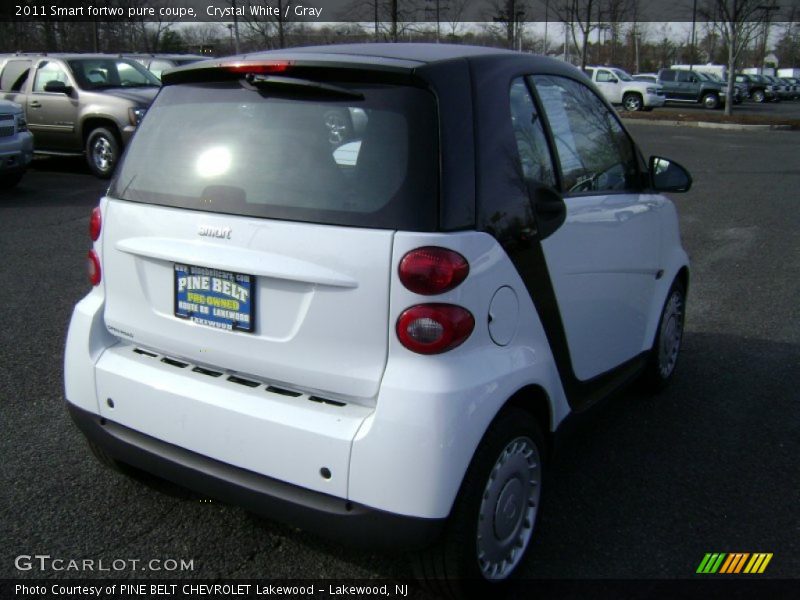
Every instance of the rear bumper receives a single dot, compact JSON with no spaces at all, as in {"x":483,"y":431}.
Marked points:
{"x":327,"y":515}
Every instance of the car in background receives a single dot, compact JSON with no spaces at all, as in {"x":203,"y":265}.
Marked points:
{"x":685,"y":86}
{"x":80,"y":104}
{"x":618,"y":87}
{"x":781,"y":87}
{"x":651,"y":77}
{"x":16,"y":144}
{"x":758,"y":89}
{"x":738,"y":94}
{"x":158,"y":63}
{"x":795,"y":83}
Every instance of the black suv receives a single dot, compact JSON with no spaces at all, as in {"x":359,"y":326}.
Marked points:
{"x":758,"y":89}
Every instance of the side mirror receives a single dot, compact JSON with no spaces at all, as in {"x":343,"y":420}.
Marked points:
{"x":58,"y":87}
{"x":668,"y":176}
{"x":613,"y":80}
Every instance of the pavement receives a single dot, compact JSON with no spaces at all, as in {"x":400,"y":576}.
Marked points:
{"x":747,"y":116}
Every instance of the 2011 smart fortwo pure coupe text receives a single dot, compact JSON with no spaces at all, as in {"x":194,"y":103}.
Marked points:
{"x":357,"y":288}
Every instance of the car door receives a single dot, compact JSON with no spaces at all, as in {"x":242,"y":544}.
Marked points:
{"x":603,"y":259}
{"x":52,"y":116}
{"x":688,"y":86}
{"x":609,"y":86}
{"x":667,"y":79}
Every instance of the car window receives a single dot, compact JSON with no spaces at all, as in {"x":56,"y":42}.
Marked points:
{"x":369,"y":162}
{"x":667,"y":75}
{"x":686,"y":77}
{"x":604,"y":76}
{"x":534,"y":153}
{"x":98,"y":73}
{"x":49,"y":71}
{"x":620,"y":74}
{"x":14,"y":75}
{"x":594,"y":152}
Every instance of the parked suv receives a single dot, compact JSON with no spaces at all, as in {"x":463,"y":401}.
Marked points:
{"x":687,"y":86}
{"x":16,"y":144}
{"x":620,"y":88}
{"x":758,"y":89}
{"x":375,"y":344}
{"x":79,"y":103}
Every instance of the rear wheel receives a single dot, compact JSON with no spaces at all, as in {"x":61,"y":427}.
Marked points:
{"x":492,"y":522}
{"x":664,"y":355}
{"x":758,"y":96}
{"x":711,"y":101}
{"x":632,"y":102}
{"x":102,"y":152}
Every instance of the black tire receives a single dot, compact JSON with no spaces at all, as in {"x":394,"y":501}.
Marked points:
{"x":632,"y":102}
{"x":660,"y":367}
{"x":711,"y":101}
{"x":9,"y":181}
{"x":758,"y":96}
{"x":512,"y":450}
{"x":102,"y":152}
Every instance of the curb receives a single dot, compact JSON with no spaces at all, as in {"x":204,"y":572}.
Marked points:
{"x":711,"y":125}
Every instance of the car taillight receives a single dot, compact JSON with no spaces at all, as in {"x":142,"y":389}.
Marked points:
{"x":434,"y":328}
{"x":95,"y":223}
{"x":259,"y":68}
{"x":432,"y":270}
{"x":93,"y":266}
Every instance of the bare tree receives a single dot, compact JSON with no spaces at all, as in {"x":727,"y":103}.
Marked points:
{"x":507,"y":18}
{"x":736,"y":21}
{"x":578,"y":13}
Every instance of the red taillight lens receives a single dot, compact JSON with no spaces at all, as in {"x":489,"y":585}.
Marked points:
{"x":93,"y":265}
{"x":95,"y":223}
{"x":259,"y":68}
{"x":432,"y":270}
{"x":434,"y":328}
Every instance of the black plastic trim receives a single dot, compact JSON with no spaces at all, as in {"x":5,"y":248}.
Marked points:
{"x":329,"y":516}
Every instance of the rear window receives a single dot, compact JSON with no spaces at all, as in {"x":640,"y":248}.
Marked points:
{"x":221,"y":147}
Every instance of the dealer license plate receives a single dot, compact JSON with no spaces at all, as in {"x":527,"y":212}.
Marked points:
{"x":215,"y":298}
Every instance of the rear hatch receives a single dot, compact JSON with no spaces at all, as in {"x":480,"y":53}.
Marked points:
{"x":250,"y":225}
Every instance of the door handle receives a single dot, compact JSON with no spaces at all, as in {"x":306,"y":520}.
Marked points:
{"x":35,"y":104}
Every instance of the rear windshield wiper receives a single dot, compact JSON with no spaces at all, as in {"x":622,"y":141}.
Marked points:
{"x":261,"y":81}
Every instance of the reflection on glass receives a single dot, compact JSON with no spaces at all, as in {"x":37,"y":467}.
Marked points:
{"x":213,"y":162}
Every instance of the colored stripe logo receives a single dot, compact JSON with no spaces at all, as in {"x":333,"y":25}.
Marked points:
{"x":734,"y":563}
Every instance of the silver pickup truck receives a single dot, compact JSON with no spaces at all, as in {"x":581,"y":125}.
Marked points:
{"x":86,"y":104}
{"x":16,"y":144}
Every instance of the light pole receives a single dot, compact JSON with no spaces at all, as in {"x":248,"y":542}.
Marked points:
{"x":694,"y":26}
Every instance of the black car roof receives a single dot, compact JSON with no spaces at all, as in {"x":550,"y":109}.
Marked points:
{"x":400,"y":57}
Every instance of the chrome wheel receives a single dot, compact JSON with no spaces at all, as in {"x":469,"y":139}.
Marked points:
{"x":508,"y":508}
{"x":633,"y":103}
{"x":103,"y":154}
{"x":711,"y":101}
{"x":670,"y":334}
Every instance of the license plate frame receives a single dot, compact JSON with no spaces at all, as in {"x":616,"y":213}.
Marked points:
{"x":214,"y":298}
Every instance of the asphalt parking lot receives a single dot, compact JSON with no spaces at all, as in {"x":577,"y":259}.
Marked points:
{"x":641,"y":488}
